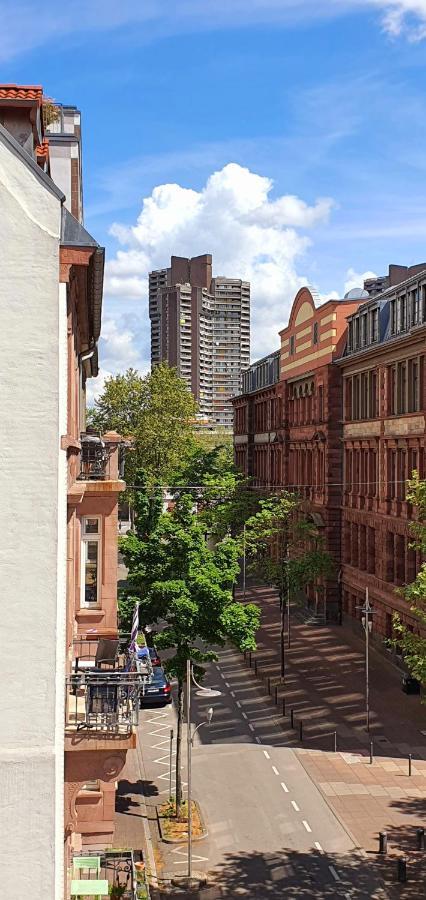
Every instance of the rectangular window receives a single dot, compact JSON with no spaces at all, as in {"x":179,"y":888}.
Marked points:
{"x":350,"y":335}
{"x":357,"y":333}
{"x":315,"y":333}
{"x":372,"y":400}
{"x":413,"y":307}
{"x":90,"y":561}
{"x":413,"y":386}
{"x":364,"y":395}
{"x":364,"y":336}
{"x":402,"y":309}
{"x":292,"y":345}
{"x":321,"y":403}
{"x":374,"y":325}
{"x":393,"y":316}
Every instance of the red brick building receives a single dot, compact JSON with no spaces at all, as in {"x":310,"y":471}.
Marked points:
{"x":384,"y":382}
{"x":259,"y":423}
{"x":288,"y":425}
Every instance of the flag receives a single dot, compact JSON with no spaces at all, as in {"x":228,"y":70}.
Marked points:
{"x":135,"y":629}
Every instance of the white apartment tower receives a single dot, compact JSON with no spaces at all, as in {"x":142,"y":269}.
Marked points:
{"x":201,"y":325}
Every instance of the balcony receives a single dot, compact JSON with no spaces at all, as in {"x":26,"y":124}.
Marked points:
{"x":103,"y":705}
{"x":93,"y":458}
{"x":123,"y":870}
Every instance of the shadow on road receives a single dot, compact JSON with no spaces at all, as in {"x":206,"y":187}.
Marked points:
{"x":290,"y":874}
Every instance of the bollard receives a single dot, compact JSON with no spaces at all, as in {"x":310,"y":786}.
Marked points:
{"x":250,"y":659}
{"x":255,"y":667}
{"x":420,"y":838}
{"x":245,"y":655}
{"x":301,"y":731}
{"x":269,"y":686}
{"x":409,"y":763}
{"x":335,"y":741}
{"x":402,"y":869}
{"x":276,"y":695}
{"x":284,"y":706}
{"x":371,"y":752}
{"x":383,"y":842}
{"x":292,"y":718}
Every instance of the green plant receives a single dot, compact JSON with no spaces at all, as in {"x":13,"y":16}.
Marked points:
{"x":117,"y":890}
{"x":141,"y":639}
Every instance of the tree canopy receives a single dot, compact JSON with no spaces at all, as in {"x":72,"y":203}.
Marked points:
{"x":156,"y":411}
{"x":414,"y":645}
{"x":186,"y":586}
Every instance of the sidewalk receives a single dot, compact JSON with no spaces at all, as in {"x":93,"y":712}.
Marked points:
{"x":325,"y":686}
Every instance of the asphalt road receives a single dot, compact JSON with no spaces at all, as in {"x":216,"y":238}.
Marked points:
{"x":270,"y":832}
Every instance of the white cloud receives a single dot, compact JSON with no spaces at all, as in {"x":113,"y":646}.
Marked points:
{"x":249,"y":235}
{"x":356,"y":279}
{"x":404,"y":17}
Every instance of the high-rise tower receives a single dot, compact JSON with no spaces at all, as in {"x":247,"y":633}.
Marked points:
{"x":201,"y":325}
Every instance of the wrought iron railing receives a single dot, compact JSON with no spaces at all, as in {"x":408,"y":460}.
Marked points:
{"x":94,"y":457}
{"x":123,"y":869}
{"x":102,"y":701}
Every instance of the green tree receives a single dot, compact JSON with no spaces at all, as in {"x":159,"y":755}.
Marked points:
{"x":156,"y":412}
{"x":225,"y":498}
{"x":284,"y":549}
{"x":180,"y":581}
{"x":414,"y":645}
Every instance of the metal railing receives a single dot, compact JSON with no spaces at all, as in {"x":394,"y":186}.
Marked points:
{"x":93,"y":458}
{"x":106,"y":702}
{"x":123,"y":869}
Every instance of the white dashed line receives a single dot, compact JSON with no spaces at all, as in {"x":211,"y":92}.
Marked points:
{"x":265,"y":753}
{"x":334,"y":873}
{"x":275,"y":770}
{"x":232,"y":694}
{"x":226,"y":683}
{"x":222,"y":676}
{"x":238,"y":704}
{"x":284,"y":787}
{"x":244,"y":715}
{"x":251,"y":726}
{"x":258,"y":740}
{"x":306,"y":825}
{"x":295,"y":806}
{"x":318,"y":846}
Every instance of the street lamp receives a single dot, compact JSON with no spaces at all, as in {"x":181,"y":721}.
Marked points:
{"x":190,"y":740}
{"x":367,"y":624}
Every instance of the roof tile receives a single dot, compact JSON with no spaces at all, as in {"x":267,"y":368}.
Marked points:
{"x":21,"y":92}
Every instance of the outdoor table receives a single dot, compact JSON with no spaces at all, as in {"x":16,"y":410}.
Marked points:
{"x":81,"y":887}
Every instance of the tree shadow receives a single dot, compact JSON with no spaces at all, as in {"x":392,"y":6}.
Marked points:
{"x":291,"y":874}
{"x":128,"y":796}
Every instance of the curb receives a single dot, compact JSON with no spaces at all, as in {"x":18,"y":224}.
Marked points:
{"x":169,"y":840}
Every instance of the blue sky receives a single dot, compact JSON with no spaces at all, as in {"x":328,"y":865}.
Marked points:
{"x":324,"y":99}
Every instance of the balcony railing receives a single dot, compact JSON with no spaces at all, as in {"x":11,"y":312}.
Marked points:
{"x":93,"y":459}
{"x":124,"y":871}
{"x":104,"y":701}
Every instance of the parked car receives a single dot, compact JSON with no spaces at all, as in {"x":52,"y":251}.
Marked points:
{"x":155,"y":659}
{"x":159,"y":690}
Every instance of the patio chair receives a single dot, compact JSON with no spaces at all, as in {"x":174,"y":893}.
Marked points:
{"x":92,"y":863}
{"x":106,"y":654}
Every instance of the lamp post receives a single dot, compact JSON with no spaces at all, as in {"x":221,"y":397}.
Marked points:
{"x":189,"y":743}
{"x":367,"y":623}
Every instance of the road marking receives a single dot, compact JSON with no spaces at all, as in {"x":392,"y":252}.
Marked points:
{"x":258,"y":740}
{"x":295,"y":806}
{"x":284,"y":787}
{"x":232,"y":694}
{"x":244,"y":715}
{"x":251,"y":726}
{"x":306,"y":825}
{"x":265,"y":753}
{"x":180,"y":852}
{"x":222,"y":676}
{"x":226,"y":683}
{"x":275,"y":770}
{"x":318,"y":846}
{"x":238,"y":704}
{"x":334,"y":873}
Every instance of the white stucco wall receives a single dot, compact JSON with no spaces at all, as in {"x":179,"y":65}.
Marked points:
{"x":32,"y":529}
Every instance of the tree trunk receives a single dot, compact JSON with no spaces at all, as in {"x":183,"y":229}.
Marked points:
{"x":179,"y":749}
